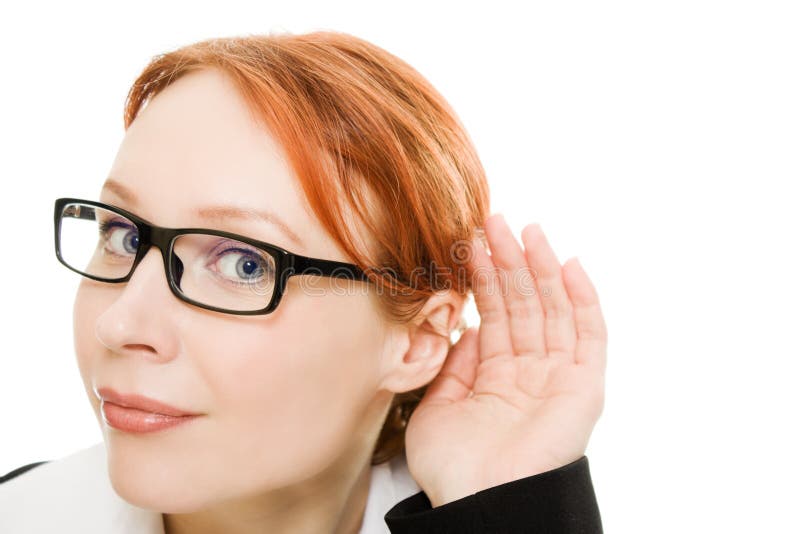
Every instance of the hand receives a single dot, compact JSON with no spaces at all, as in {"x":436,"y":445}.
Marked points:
{"x":521,"y":395}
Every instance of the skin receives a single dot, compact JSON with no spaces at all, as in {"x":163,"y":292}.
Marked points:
{"x":289,"y":419}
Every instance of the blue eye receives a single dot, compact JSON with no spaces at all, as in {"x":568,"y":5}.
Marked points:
{"x":240,"y":265}
{"x":119,"y":237}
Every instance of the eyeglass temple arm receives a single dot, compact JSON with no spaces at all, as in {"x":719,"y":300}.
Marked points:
{"x":337,"y":269}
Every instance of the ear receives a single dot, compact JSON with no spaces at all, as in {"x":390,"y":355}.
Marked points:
{"x":420,"y":348}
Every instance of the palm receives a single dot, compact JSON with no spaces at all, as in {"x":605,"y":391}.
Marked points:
{"x":521,"y":395}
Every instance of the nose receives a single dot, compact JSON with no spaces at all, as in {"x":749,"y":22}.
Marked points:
{"x":149,"y":274}
{"x":139,"y":320}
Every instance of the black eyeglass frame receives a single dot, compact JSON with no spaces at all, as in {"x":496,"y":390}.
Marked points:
{"x":287,"y":263}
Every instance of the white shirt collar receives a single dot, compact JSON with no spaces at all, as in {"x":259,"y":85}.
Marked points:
{"x":74,"y":494}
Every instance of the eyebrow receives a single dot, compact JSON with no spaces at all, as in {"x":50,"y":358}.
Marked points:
{"x":213,"y":213}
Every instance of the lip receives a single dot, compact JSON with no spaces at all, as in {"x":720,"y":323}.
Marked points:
{"x":139,"y":414}
{"x":141,"y":403}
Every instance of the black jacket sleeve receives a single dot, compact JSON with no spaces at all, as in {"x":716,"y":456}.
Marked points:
{"x":558,"y":501}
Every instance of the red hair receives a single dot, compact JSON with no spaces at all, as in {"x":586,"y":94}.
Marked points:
{"x":395,"y":155}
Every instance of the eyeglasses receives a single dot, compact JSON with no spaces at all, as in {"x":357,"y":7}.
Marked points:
{"x":212,"y":269}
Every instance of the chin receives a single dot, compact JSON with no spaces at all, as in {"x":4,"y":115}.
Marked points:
{"x":151,"y":481}
{"x":165,"y":493}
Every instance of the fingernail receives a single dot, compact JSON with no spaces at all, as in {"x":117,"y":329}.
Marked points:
{"x":478,"y":243}
{"x":479,"y":237}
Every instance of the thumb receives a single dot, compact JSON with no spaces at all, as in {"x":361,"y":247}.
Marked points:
{"x":457,"y":376}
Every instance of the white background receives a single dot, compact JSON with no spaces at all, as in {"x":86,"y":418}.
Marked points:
{"x":657,"y":141}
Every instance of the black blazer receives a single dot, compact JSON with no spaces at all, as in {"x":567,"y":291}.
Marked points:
{"x":558,"y":501}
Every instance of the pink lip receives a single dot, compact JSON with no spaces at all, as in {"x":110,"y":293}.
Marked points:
{"x":136,"y":413}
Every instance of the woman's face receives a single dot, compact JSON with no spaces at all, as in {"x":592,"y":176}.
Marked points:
{"x":282,"y":394}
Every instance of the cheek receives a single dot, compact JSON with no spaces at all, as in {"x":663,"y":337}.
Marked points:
{"x":289,"y":391}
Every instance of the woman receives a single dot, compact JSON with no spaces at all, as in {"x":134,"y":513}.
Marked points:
{"x":240,"y":391}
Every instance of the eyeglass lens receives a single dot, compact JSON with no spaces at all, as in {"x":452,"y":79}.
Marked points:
{"x":213,"y":270}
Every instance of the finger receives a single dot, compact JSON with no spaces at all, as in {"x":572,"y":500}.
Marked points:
{"x":592,"y":334}
{"x":494,"y":334}
{"x":559,"y":324}
{"x":457,"y":376}
{"x":524,"y":310}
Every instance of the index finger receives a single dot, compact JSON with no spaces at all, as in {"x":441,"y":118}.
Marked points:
{"x":495,"y":338}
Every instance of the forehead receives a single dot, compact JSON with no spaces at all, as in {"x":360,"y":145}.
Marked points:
{"x":196,"y":144}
